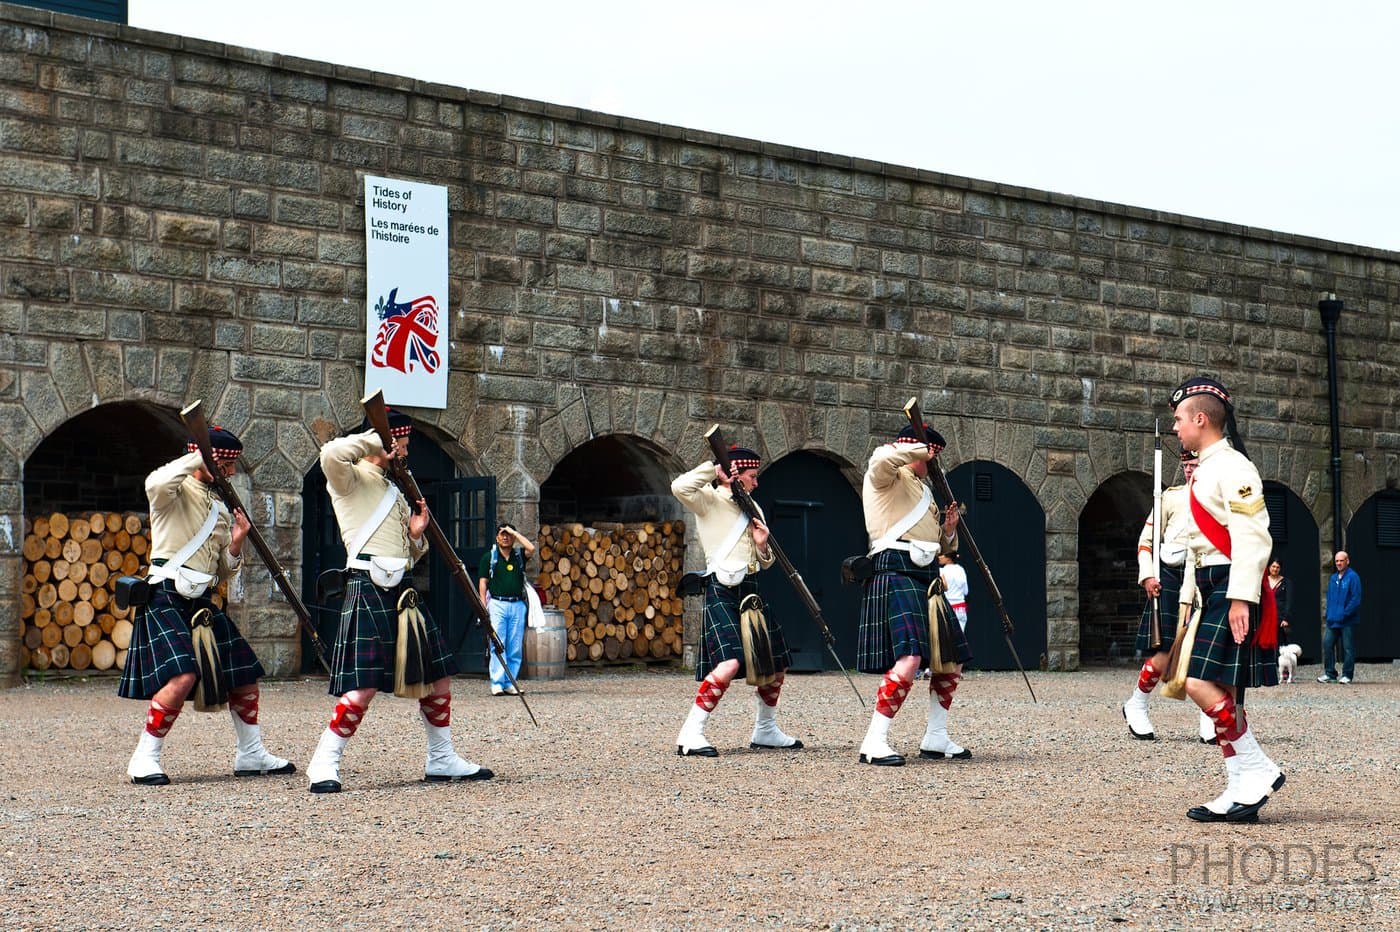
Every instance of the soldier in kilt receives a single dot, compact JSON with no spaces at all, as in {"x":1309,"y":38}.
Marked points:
{"x":735,"y":549}
{"x":1236,"y":641}
{"x":903,"y":524}
{"x":195,"y":544}
{"x":383,"y":538}
{"x":1171,"y":539}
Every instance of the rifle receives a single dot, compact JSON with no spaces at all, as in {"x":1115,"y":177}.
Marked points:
{"x":940,"y":486}
{"x":403,"y":478}
{"x":193,"y":417}
{"x":1155,"y":629}
{"x":746,"y":502}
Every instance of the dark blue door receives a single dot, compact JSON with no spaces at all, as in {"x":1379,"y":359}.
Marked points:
{"x":815,"y":516}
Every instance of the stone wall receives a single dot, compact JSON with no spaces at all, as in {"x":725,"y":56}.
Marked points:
{"x":181,"y":219}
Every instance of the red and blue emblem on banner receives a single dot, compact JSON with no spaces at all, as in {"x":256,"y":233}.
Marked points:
{"x":407,"y":335}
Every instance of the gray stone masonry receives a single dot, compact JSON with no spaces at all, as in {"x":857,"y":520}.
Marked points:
{"x":183,"y":219}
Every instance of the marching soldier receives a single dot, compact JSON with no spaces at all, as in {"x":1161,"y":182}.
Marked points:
{"x":1176,"y":519}
{"x":906,"y":533}
{"x":180,"y":642}
{"x":1234,"y":646}
{"x":736,"y":638}
{"x":386,"y":640}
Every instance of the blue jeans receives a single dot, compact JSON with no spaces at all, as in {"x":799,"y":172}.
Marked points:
{"x":508,"y":618}
{"x":1329,"y":651}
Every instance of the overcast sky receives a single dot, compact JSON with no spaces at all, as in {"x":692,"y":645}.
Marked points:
{"x":1277,"y":114}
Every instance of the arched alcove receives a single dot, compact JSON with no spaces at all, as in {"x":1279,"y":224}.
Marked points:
{"x":613,"y":478}
{"x":464,"y":506}
{"x":1008,"y":524}
{"x":1373,"y":543}
{"x":98,"y":460}
{"x":815,"y":516}
{"x":1110,"y":599}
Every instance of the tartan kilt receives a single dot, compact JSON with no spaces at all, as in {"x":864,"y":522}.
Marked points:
{"x":894,"y":615}
{"x":161,"y":647}
{"x":363,"y":657}
{"x":1171,"y":589}
{"x":1215,"y":656}
{"x":721,"y":640}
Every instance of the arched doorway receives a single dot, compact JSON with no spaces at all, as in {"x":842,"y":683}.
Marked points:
{"x":463,"y":506}
{"x":86,"y":525}
{"x":612,"y":551}
{"x":1110,"y":599}
{"x":99,"y":459}
{"x":1373,"y":543}
{"x":815,"y":516}
{"x":1294,"y":531}
{"x":1008,"y":524}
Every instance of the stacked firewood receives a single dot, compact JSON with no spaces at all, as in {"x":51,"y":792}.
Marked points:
{"x":618,"y":587}
{"x":68,"y":617}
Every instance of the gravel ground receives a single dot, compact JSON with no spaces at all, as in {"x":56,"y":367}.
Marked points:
{"x":593,"y":822}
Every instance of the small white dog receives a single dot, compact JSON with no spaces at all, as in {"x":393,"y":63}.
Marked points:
{"x":1288,"y":656}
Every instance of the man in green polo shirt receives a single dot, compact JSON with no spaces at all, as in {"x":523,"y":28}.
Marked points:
{"x":501,"y":581}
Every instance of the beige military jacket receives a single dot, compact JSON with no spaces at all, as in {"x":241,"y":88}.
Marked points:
{"x":1176,"y":521}
{"x":179,"y":507}
{"x":356,"y":488}
{"x":1228,"y":486}
{"x":891,"y":490}
{"x":715,"y":513}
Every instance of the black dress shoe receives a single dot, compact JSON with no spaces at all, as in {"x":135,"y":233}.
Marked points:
{"x":1202,"y":814}
{"x":1210,"y":740}
{"x":964,"y":754}
{"x":326,"y":786}
{"x":286,"y":768}
{"x":707,"y":751}
{"x":796,"y":743}
{"x":481,"y":773}
{"x":889,"y":760}
{"x":152,"y":779}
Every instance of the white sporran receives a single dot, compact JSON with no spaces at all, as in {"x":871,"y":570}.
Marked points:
{"x":923,"y":552}
{"x":731,"y":573}
{"x":387,"y":572}
{"x":191,"y":583}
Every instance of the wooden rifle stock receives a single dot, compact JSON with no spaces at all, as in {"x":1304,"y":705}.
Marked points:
{"x":746,"y":502}
{"x":941,"y":487}
{"x":399,"y":471}
{"x":195,"y":423}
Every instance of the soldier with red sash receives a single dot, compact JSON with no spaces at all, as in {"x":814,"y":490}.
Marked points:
{"x":906,"y":532}
{"x":195,"y":544}
{"x":1235,"y":644}
{"x":736,"y":548}
{"x":386,"y":641}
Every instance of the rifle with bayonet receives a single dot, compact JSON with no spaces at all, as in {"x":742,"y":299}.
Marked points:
{"x":941,"y":487}
{"x":195,"y":423}
{"x":403,"y":478}
{"x":741,"y":497}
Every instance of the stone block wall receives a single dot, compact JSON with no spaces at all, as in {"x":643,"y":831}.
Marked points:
{"x":180,"y":219}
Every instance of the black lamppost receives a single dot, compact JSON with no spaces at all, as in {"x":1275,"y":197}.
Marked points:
{"x":1331,"y":309}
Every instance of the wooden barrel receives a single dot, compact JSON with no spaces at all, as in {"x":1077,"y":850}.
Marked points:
{"x":544,"y":648}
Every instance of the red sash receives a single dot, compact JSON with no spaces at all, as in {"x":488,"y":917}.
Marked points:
{"x":1266,"y":636}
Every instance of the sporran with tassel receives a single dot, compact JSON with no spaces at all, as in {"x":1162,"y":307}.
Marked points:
{"x":411,"y":650}
{"x":758,"y":645}
{"x":211,"y":689}
{"x":942,"y":647}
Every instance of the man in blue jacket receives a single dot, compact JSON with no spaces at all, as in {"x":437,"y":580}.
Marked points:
{"x":1343,"y":612}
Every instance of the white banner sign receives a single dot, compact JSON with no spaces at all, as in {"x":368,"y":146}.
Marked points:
{"x":407,"y":319}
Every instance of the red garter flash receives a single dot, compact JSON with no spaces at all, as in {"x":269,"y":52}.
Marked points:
{"x":346,"y":717}
{"x":891,"y":695}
